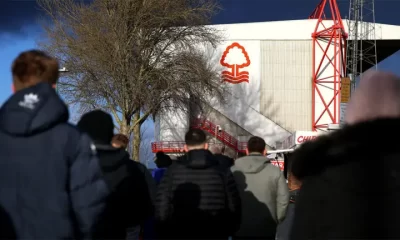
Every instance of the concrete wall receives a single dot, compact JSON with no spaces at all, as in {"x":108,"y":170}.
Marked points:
{"x":286,"y":73}
{"x":243,"y":103}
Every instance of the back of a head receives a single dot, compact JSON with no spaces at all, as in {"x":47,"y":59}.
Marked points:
{"x":256,"y":145}
{"x":120,"y":141}
{"x":195,"y":138}
{"x":163,"y":160}
{"x":98,"y":125}
{"x":377,"y":96}
{"x":33,"y":67}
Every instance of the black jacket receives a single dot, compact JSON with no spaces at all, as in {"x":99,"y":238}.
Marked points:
{"x":51,"y":185}
{"x":129,"y":203}
{"x":351,"y":184}
{"x":224,"y":161}
{"x":197,"y":199}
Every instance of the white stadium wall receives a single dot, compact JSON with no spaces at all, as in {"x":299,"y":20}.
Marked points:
{"x":268,"y":69}
{"x":240,"y":63}
{"x":286,"y":87}
{"x":241,"y":72}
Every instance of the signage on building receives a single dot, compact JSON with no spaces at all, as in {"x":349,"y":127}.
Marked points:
{"x":235,"y":59}
{"x":345,"y":90}
{"x":345,"y":93}
{"x":298,"y":138}
{"x":278,"y":163}
{"x":301,"y":139}
{"x":303,"y":136}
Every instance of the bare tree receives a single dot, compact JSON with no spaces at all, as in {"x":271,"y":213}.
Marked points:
{"x":133,"y":58}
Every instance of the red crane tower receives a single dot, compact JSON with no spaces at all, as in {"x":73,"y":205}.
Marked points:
{"x":329,"y":64}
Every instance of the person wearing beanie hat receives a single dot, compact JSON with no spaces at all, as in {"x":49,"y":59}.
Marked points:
{"x":129,"y":204}
{"x":350,"y":177}
{"x":98,"y":125}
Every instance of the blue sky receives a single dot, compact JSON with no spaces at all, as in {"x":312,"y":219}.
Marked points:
{"x":10,"y":48}
{"x":18,"y":29}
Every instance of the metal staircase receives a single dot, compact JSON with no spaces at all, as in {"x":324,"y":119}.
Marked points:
{"x":207,"y":126}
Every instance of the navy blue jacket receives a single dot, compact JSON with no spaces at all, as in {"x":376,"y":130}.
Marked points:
{"x":51,"y":185}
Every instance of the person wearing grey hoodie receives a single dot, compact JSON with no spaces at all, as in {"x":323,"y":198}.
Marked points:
{"x":264,"y":192}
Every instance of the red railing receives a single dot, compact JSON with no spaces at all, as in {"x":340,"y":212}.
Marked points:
{"x":220,"y":134}
{"x":177,"y":147}
{"x":167,"y":147}
{"x":205,"y":125}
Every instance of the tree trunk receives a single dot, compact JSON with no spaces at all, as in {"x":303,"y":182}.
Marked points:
{"x":124,"y":128}
{"x":136,"y":138}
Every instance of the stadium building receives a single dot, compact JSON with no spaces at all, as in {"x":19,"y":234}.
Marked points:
{"x":287,"y":79}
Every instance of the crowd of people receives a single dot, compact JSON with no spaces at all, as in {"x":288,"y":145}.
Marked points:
{"x":60,"y":181}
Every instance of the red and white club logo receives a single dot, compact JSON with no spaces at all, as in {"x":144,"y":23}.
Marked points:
{"x":235,"y":58}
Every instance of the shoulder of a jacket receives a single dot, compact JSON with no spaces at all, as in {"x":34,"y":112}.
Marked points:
{"x":177,"y":167}
{"x":67,"y":128}
{"x":234,"y":168}
{"x":75,"y":135}
{"x":65,"y":132}
{"x":271,"y":168}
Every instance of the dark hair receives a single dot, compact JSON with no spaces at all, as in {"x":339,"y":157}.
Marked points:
{"x":163,"y":160}
{"x":98,"y":125}
{"x":120,"y":139}
{"x":36,"y":65}
{"x":195,"y":137}
{"x":256,"y":144}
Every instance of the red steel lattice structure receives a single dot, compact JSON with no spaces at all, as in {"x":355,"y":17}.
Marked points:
{"x":329,"y":38}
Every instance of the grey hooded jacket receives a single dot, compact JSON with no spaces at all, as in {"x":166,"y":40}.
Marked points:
{"x":264,"y":193}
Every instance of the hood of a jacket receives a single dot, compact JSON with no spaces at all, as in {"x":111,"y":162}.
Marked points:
{"x":253,"y":163}
{"x":32,"y":110}
{"x":352,"y":143}
{"x":111,"y":158}
{"x":198,"y":159}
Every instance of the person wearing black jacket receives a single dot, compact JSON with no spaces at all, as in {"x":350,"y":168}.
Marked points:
{"x":121,"y":141}
{"x":129,"y":203}
{"x":224,"y":161}
{"x":197,"y":198}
